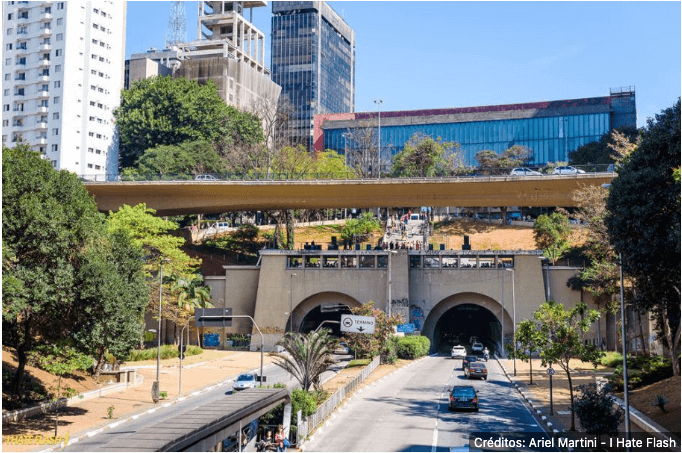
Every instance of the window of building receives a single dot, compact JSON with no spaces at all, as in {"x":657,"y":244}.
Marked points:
{"x":60,"y":21}
{"x":55,"y":131}
{"x":91,"y":134}
{"x":99,"y":135}
{"x":8,"y":62}
{"x":97,"y":167}
{"x":92,"y":118}
{"x":93,"y":87}
{"x":8,"y":47}
{"x":91,"y":150}
{"x":100,"y":90}
{"x":57,"y":84}
{"x":5,"y":108}
{"x":54,"y":163}
{"x":55,"y":116}
{"x":99,"y":105}
{"x":10,"y":31}
{"x":58,"y":53}
{"x":6,"y":92}
{"x":93,"y":56}
{"x":56,"y":100}
{"x":57,"y":68}
{"x":5,"y":123}
{"x":89,"y":165}
{"x":101,"y":74}
{"x":96,"y":27}
{"x":101,"y":59}
{"x":93,"y":72}
{"x":7,"y":76}
{"x":60,"y":37}
{"x":55,"y":147}
{"x":98,"y":151}
{"x":60,"y":5}
{"x":9,"y":16}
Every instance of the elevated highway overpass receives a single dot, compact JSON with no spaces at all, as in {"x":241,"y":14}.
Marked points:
{"x":204,"y":197}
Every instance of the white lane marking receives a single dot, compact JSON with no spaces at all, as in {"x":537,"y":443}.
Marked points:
{"x":134,"y":417}
{"x":434,"y":444}
{"x":95,"y":432}
{"x":195,"y":393}
{"x":167,"y":404}
{"x":149,"y":411}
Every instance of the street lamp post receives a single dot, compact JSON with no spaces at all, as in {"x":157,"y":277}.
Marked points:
{"x":625,"y":353}
{"x":514,"y":314}
{"x":390,"y":253}
{"x":182,"y":335}
{"x":291,"y":301}
{"x":155,"y":384}
{"x":378,"y":102}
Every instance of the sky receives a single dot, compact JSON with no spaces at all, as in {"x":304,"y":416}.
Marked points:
{"x":426,"y":55}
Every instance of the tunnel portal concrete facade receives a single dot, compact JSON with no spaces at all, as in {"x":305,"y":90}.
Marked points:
{"x":424,"y":285}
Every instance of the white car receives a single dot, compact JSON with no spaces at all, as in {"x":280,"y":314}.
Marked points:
{"x":205,"y":178}
{"x":244,"y":381}
{"x":477,"y":347}
{"x":458,"y":352}
{"x":567,"y":170}
{"x":523,"y":171}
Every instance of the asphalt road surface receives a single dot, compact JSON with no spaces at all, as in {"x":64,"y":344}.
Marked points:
{"x":408,"y":411}
{"x":273,"y":373}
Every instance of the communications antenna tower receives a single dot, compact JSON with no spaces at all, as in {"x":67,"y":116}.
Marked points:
{"x":176,"y":32}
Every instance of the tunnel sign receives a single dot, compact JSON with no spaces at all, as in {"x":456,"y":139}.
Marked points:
{"x":357,"y":324}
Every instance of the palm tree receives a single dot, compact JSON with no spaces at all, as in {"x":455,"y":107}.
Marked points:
{"x":307,"y":356}
{"x":194,"y":294}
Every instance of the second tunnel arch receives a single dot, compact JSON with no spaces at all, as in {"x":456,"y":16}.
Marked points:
{"x":485,"y":317}
{"x":309,"y":313}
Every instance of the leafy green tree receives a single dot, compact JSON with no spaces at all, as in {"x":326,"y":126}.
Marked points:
{"x":360,"y":229}
{"x":552,"y":233}
{"x":492,"y":163}
{"x":193,"y":294}
{"x":596,"y":411}
{"x":601,"y":152}
{"x":47,"y":218}
{"x":307,"y":356}
{"x":167,"y":111}
{"x":423,"y":156}
{"x":114,"y":294}
{"x":184,"y":159}
{"x":379,"y":343}
{"x":644,"y":223}
{"x":529,"y":339}
{"x":561,"y":338}
{"x":329,"y":163}
{"x":61,"y":359}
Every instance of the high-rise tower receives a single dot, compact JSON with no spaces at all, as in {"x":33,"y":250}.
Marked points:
{"x":313,"y":60}
{"x":62,"y":79}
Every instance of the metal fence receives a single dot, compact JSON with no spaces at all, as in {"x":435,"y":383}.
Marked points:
{"x":314,"y":420}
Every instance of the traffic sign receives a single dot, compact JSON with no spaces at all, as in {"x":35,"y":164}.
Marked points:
{"x":213,"y":317}
{"x":357,"y":324}
{"x":406,"y":328}
{"x":550,"y":371}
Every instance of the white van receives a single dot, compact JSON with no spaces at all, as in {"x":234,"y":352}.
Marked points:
{"x":205,"y":178}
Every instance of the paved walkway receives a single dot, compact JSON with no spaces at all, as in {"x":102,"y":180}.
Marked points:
{"x":88,"y":415}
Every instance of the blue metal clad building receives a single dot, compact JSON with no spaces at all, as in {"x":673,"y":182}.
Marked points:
{"x":313,"y":60}
{"x":550,"y":129}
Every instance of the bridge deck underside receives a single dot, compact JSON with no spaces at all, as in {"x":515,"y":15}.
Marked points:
{"x":190,"y":197}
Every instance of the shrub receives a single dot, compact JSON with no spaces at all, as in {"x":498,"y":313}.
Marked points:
{"x":246,"y":232}
{"x":642,"y":370}
{"x":596,"y":411}
{"x":612,"y":359}
{"x":412,"y":347}
{"x":306,"y":402}
{"x":168,"y":351}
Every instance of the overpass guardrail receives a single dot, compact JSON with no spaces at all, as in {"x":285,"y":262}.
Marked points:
{"x":288,"y":176}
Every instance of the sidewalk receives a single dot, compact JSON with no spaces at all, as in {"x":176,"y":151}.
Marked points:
{"x":88,"y":415}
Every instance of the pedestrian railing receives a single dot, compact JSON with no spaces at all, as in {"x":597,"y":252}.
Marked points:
{"x":314,"y":420}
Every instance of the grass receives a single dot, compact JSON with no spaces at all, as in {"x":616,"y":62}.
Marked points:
{"x":358,"y":362}
{"x":167,"y":352}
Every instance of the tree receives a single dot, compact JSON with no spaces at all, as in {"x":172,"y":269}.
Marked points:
{"x":423,"y":156}
{"x":378,"y":343}
{"x":602,"y":152}
{"x":47,"y":218}
{"x":167,"y":111}
{"x":596,"y":411}
{"x":60,"y":359}
{"x":530,"y":339}
{"x":492,"y":163}
{"x":194,"y":294}
{"x":185,"y":159}
{"x":552,"y":233}
{"x":114,"y":294}
{"x":362,"y":150}
{"x":330,"y":164}
{"x":561,"y":338}
{"x":307,"y":356}
{"x":644,"y":223}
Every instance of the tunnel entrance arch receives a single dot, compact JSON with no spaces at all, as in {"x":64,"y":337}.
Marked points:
{"x":457,"y":318}
{"x":322,"y":309}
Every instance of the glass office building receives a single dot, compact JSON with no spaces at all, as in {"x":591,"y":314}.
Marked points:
{"x":313,"y":60}
{"x":550,"y":129}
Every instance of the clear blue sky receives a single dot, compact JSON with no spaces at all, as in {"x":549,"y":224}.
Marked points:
{"x":422,"y":55}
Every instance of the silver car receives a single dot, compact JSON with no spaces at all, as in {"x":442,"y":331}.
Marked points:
{"x":567,"y":170}
{"x":523,"y":171}
{"x":244,"y":381}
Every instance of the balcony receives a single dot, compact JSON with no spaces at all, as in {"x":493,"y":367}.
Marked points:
{"x":46,"y":16}
{"x":41,"y":109}
{"x":44,"y":78}
{"x":39,"y":141}
{"x":45,"y":47}
{"x":21,"y":62}
{"x":41,"y":125}
{"x":44,"y":62}
{"x":45,"y":32}
{"x":43,"y":94}
{"x":19,"y":93}
{"x":20,"y":82}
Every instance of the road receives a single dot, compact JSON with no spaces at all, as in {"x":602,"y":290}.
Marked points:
{"x":273,"y":373}
{"x":408,"y":411}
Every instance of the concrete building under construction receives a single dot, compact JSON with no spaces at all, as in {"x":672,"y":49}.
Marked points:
{"x":228,"y":50}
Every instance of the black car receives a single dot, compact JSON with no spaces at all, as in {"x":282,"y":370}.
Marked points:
{"x":469,"y":359}
{"x":476,"y":369}
{"x":463,"y":397}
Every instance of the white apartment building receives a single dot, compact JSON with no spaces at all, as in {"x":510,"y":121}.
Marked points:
{"x":62,"y":79}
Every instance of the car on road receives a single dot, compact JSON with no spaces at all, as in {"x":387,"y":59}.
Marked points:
{"x":458,"y":352}
{"x":567,"y":170}
{"x":477,"y":347}
{"x":524,"y":171}
{"x":476,"y":369}
{"x":205,"y":178}
{"x":469,"y":359}
{"x":244,"y":381}
{"x":463,"y":397}
{"x":342,"y":348}
{"x":611,"y":167}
